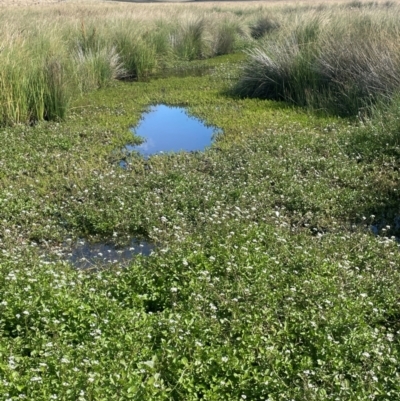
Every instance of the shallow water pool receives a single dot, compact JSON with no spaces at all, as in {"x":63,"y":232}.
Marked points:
{"x":171,"y":129}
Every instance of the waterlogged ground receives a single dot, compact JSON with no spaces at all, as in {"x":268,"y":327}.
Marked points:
{"x":266,"y":282}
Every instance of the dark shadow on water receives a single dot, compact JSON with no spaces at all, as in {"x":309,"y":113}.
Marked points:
{"x":85,"y":255}
{"x":166,"y":129}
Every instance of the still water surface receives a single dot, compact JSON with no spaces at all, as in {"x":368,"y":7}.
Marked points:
{"x":171,"y":129}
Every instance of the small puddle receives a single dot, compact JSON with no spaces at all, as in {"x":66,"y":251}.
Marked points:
{"x":171,"y":129}
{"x":84,"y":255}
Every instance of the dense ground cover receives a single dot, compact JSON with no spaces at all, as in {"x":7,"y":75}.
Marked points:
{"x":266,"y":282}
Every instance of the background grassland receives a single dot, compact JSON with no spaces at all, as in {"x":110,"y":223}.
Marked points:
{"x":76,"y":48}
{"x":336,"y":58}
{"x":266,"y":283}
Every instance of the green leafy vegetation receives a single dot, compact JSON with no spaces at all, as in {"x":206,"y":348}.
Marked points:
{"x":266,"y":281}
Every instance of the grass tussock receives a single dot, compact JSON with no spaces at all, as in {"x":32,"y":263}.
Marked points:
{"x":187,"y":40}
{"x":35,"y":93}
{"x":262,"y":26}
{"x":229,"y":36}
{"x":56,"y":97}
{"x":337,"y":63}
{"x":96,"y":69}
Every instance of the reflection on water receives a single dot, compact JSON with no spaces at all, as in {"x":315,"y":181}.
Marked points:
{"x":83,"y":254}
{"x":171,"y":129}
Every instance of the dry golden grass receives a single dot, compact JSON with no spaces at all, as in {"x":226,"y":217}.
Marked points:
{"x":5,"y":3}
{"x":203,"y":4}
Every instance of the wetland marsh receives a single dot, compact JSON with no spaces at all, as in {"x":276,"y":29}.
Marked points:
{"x":266,"y":281}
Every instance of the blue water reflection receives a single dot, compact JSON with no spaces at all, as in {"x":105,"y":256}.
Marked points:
{"x":171,"y":129}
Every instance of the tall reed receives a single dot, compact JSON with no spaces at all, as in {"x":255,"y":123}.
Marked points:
{"x":263,"y":25}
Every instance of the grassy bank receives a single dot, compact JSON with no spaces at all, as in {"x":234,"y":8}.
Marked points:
{"x":266,"y":282}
